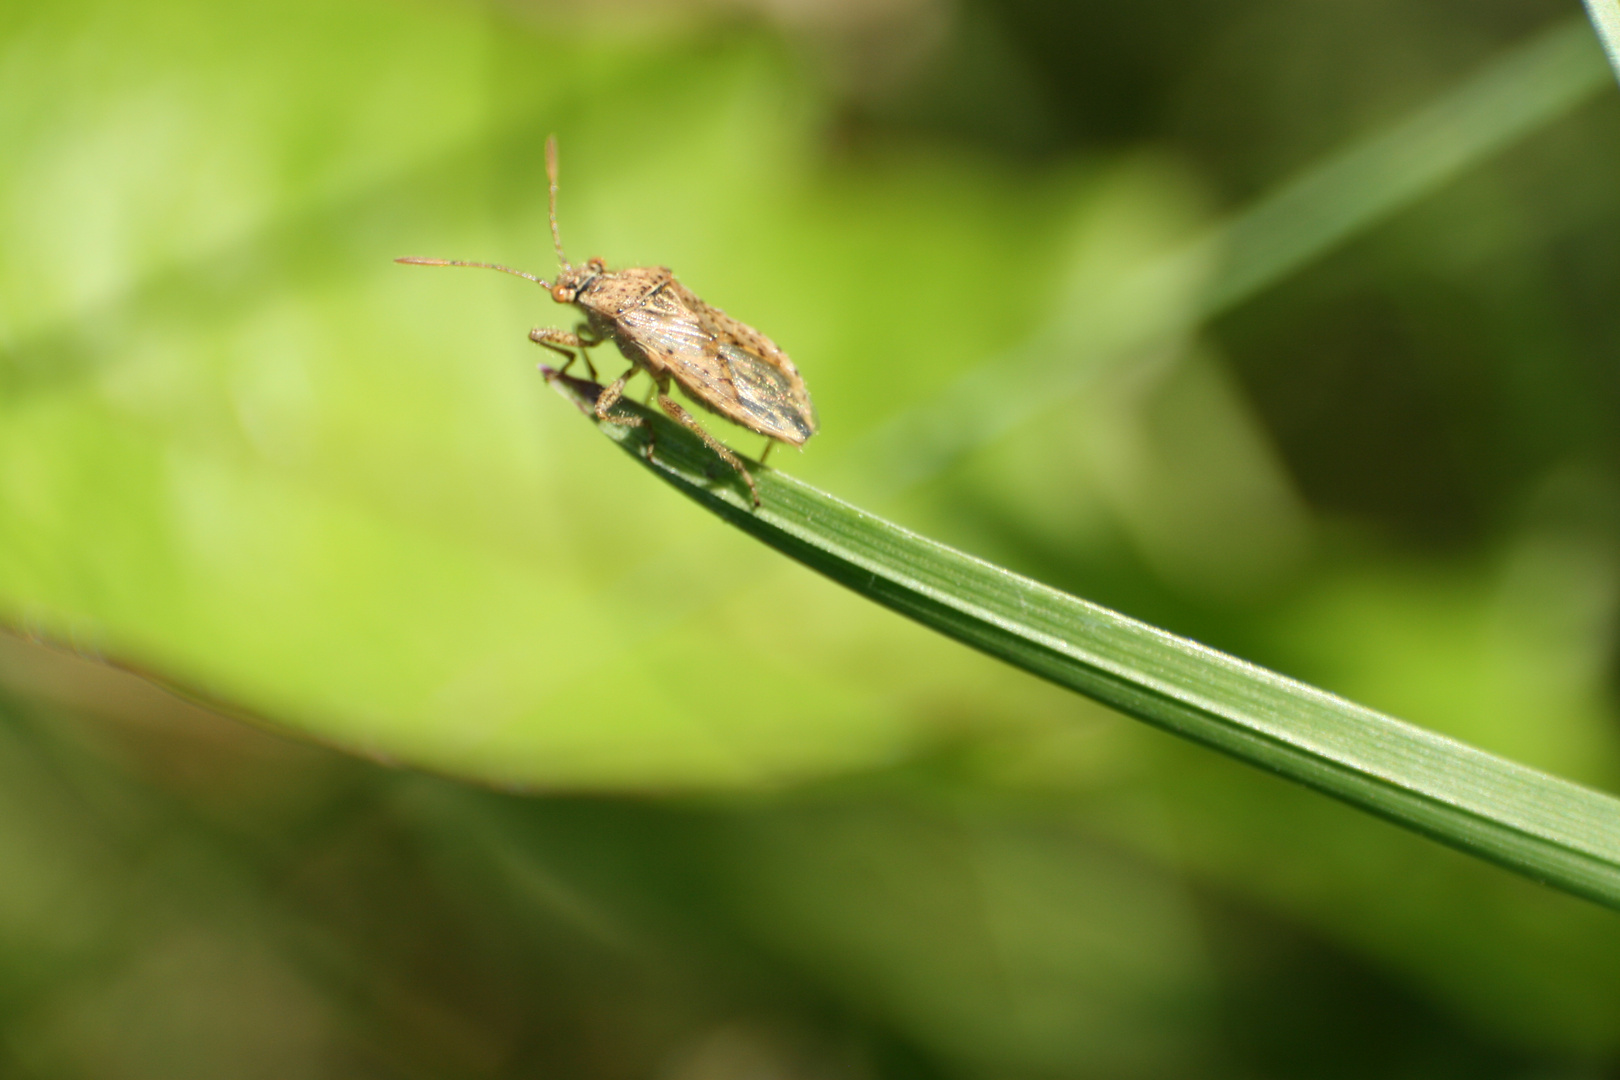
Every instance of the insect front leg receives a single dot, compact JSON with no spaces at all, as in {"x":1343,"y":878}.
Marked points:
{"x":681,"y":416}
{"x":589,"y":339}
{"x":572,"y":346}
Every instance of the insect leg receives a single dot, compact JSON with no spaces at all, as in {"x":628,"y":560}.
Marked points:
{"x":588,"y":338}
{"x":681,"y":416}
{"x":610,"y":397}
{"x":770,"y":444}
{"x":561,"y":341}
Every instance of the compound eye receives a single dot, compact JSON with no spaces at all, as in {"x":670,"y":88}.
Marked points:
{"x":596,"y":264}
{"x":563,"y":294}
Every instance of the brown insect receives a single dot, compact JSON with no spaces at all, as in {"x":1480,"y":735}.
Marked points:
{"x":662,"y":328}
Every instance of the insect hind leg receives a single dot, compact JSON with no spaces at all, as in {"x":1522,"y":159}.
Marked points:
{"x":684,"y":418}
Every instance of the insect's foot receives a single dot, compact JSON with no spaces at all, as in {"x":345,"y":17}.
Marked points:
{"x":753,"y":489}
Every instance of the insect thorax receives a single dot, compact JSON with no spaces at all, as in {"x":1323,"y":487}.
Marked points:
{"x":615,"y":292}
{"x":605,"y":297}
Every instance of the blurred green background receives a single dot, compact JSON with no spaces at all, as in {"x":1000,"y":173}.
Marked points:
{"x":593,"y":786}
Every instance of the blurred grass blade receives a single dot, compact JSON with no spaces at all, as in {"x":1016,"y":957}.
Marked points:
{"x":1369,"y":180}
{"x":1547,"y":828}
{"x":1606,"y":18}
{"x":1303,"y":219}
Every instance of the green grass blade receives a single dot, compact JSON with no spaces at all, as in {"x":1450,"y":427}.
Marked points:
{"x":1606,"y":19}
{"x":1544,"y":827}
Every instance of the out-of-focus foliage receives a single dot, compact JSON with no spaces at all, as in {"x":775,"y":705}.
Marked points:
{"x":774,"y":830}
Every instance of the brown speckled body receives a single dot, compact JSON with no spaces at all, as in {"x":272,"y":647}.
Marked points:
{"x":664,"y":329}
{"x":721,"y":364}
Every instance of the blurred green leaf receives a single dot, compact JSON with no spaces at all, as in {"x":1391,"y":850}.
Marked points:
{"x":246,"y":451}
{"x":1542,"y":826}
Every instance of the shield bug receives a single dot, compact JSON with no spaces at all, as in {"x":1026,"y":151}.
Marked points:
{"x":664,"y":329}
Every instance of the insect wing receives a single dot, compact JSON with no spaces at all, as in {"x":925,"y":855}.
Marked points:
{"x":720,"y":374}
{"x":672,"y":338}
{"x":769,"y":389}
{"x":766,"y":395}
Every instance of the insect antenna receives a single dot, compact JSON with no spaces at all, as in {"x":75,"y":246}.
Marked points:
{"x":417,"y":260}
{"x":551,"y":175}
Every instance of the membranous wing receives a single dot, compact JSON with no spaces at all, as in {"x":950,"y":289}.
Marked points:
{"x":766,"y":394}
{"x":726,"y":366}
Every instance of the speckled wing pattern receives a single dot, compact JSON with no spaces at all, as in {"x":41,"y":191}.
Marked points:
{"x":724,"y":365}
